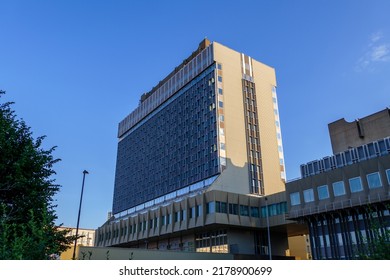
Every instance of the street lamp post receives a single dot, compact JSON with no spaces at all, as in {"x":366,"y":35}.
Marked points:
{"x":78,"y":217}
{"x":269,"y":235}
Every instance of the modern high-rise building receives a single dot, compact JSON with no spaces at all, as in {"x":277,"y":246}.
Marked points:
{"x":197,"y":155}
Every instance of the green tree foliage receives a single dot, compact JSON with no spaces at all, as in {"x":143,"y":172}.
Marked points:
{"x":377,"y":245}
{"x":27,"y":213}
{"x":376,"y":249}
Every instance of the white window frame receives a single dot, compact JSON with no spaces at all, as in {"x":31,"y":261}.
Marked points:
{"x":333,"y":186}
{"x":380,"y":180}
{"x":309,"y":196}
{"x":361,"y":184}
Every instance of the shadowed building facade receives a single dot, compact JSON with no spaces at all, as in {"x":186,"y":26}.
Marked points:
{"x":196,"y":157}
{"x":345,"y":198}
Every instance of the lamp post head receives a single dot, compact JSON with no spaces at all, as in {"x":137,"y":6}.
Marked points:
{"x":85,"y":172}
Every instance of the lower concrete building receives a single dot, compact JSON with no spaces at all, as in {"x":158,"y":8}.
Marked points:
{"x":213,"y":222}
{"x":346,"y":206}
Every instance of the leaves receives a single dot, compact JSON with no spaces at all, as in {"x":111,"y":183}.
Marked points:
{"x":27,"y":215}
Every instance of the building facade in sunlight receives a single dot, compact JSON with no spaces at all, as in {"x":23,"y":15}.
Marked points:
{"x":86,"y":239}
{"x":196,"y":157}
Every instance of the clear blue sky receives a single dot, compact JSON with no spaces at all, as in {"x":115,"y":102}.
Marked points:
{"x":77,"y":68}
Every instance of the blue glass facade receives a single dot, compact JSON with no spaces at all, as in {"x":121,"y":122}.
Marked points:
{"x":174,"y":146}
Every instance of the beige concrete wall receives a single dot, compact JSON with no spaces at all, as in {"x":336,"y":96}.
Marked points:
{"x":235,"y":177}
{"x":264,"y":77}
{"x":299,"y":247}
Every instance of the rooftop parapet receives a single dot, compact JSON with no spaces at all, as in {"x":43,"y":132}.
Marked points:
{"x":353,"y":155}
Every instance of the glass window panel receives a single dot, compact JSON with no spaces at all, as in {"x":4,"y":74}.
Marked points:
{"x":233,"y":209}
{"x":199,"y":211}
{"x":218,"y":207}
{"x":295,"y":199}
{"x":323,"y":192}
{"x":244,"y":210}
{"x":308,"y":195}
{"x":338,"y":188}
{"x":210,"y":207}
{"x":223,"y":207}
{"x":355,"y":184}
{"x":382,"y":146}
{"x":255,"y":212}
{"x":272,"y":210}
{"x":388,"y":175}
{"x":283,"y":207}
{"x":374,"y":180}
{"x":263,"y":211}
{"x":177,"y":218}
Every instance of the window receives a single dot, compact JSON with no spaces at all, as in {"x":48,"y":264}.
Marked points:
{"x":221,"y":118}
{"x":295,"y":199}
{"x":210,"y":207}
{"x":388,"y":175}
{"x":220,"y":104}
{"x":255,"y":212}
{"x":355,"y":184}
{"x":155,"y":222}
{"x":323,"y":192}
{"x":198,"y":211}
{"x":183,"y":215}
{"x":283,"y":207}
{"x":220,"y":207}
{"x":274,"y":209}
{"x":308,"y":195}
{"x":220,"y":91}
{"x":192,"y":212}
{"x":244,"y":210}
{"x":219,"y":66}
{"x":233,"y":209}
{"x":219,"y":79}
{"x":177,"y":216}
{"x":374,"y":180}
{"x":338,"y":188}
